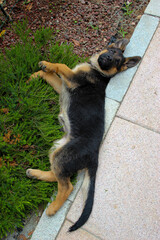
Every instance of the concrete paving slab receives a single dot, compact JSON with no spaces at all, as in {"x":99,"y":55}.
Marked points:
{"x":78,"y":235}
{"x":139,"y":42}
{"x":142,"y":102}
{"x":127,"y":196}
{"x":153,"y":8}
{"x":111,"y":108}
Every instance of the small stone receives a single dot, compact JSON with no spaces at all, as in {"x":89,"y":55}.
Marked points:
{"x":82,"y":1}
{"x":138,"y":17}
{"x":66,"y":36}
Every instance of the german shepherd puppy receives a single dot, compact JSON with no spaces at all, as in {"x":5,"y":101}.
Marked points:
{"x":82,"y":100}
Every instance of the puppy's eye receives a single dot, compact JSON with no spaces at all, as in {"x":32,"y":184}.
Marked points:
{"x":112,"y":51}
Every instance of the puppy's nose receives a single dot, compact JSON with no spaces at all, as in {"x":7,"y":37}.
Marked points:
{"x":109,"y":58}
{"x":106,"y":58}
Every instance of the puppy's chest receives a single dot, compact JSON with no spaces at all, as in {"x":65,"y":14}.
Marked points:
{"x":64,"y":106}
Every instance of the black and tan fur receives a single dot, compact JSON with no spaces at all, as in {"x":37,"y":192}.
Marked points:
{"x":82,"y":99}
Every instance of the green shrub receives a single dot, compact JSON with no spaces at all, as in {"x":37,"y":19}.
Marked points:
{"x":28,"y":122}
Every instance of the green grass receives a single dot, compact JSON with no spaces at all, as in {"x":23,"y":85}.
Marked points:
{"x":126,"y":9}
{"x":122,"y":32}
{"x":28,"y":122}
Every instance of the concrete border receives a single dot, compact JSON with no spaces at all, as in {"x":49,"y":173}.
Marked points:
{"x":49,"y":227}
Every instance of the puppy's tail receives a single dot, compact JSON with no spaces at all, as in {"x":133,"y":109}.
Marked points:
{"x":89,"y":202}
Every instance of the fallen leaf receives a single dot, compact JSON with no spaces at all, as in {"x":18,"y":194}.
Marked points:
{"x":26,"y":147}
{"x":5,"y":162}
{"x":22,"y":237}
{"x":7,"y":136}
{"x":30,"y":233}
{"x":76,"y":43}
{"x":0,"y":162}
{"x":2,"y":33}
{"x":29,"y":7}
{"x":10,"y":138}
{"x":4,"y":110}
{"x":13,"y":164}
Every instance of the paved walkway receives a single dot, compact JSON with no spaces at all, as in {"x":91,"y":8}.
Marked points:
{"x":127,"y":196}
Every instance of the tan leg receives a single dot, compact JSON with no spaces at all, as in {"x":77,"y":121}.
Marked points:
{"x":61,"y":69}
{"x":64,"y":190}
{"x":47,"y":176}
{"x":50,"y":78}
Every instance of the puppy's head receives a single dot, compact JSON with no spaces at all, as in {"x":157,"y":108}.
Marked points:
{"x":111,"y":60}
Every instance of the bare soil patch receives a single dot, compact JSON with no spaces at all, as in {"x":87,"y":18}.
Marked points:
{"x":89,"y":25}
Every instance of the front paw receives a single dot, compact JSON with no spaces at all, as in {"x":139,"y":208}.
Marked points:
{"x":42,"y":65}
{"x":34,"y":75}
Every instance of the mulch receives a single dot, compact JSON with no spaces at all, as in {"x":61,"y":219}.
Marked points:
{"x":88,"y":24}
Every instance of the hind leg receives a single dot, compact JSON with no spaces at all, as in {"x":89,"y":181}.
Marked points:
{"x":47,"y":176}
{"x":65,"y":188}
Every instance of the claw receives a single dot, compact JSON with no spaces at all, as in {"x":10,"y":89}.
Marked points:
{"x":42,"y":66}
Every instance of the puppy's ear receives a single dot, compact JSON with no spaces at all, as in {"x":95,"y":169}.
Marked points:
{"x":130,"y":62}
{"x":121,"y":44}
